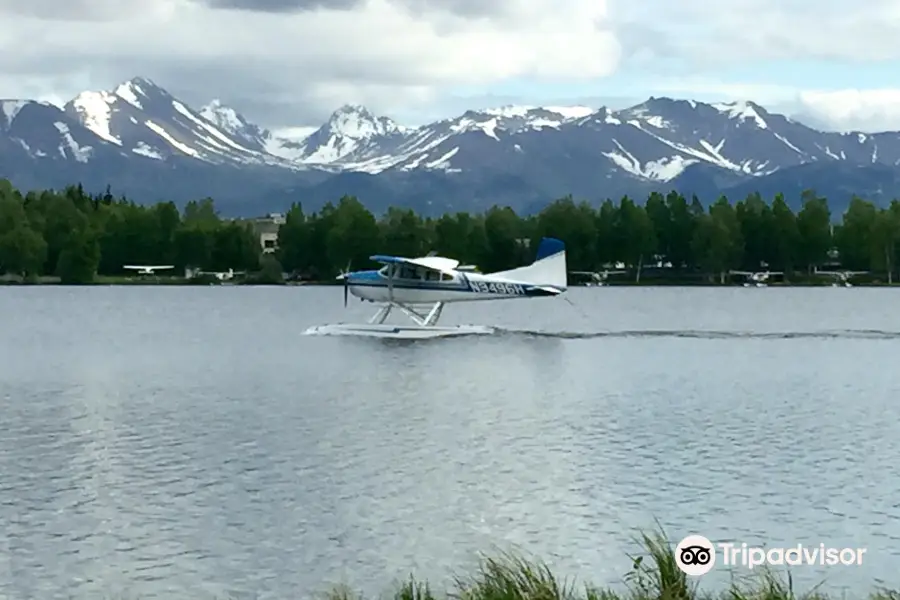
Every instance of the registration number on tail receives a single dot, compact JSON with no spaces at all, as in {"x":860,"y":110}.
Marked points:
{"x":491,"y":287}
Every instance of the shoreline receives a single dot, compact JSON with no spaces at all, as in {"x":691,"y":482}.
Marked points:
{"x":126,"y":281}
{"x":655,"y":574}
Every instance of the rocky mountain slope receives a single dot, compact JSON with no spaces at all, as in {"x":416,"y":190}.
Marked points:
{"x":150,"y":145}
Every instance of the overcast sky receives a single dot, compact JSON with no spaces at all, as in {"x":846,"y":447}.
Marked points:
{"x":290,"y":63}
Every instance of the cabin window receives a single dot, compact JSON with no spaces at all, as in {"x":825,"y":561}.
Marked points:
{"x":446,"y":277}
{"x":432,"y":276}
{"x":407,"y":273}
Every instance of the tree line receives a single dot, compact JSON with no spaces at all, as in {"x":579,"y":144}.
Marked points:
{"x":75,"y":236}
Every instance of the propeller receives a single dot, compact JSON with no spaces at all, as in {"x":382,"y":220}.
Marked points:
{"x":344,"y":275}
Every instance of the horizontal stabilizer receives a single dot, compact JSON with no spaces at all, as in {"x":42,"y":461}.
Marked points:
{"x":548,"y":289}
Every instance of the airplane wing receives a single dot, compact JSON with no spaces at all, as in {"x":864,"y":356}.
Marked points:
{"x":148,"y":267}
{"x":741,"y":273}
{"x":432,"y":263}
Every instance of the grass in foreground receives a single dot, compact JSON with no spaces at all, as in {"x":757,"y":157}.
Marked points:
{"x":654,"y":576}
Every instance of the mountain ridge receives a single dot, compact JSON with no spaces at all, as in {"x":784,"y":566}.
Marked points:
{"x":147,"y":143}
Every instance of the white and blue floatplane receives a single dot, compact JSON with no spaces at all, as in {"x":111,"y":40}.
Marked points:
{"x":408,"y":284}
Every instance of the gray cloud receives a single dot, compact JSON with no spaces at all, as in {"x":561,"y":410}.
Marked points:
{"x":469,"y":8}
{"x":70,"y":10}
{"x":282,"y":6}
{"x":291,"y":62}
{"x":465,"y":8}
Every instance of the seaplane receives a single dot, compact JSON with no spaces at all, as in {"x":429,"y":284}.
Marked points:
{"x":597,"y":278}
{"x":756,"y":278}
{"x":842,"y":278}
{"x":148,"y":269}
{"x":408,"y":284}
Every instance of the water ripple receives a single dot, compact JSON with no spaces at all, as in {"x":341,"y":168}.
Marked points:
{"x":706,"y":334}
{"x":201,"y":451}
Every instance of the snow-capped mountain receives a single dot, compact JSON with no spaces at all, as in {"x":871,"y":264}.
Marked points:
{"x":356,"y":140}
{"x":656,"y":140}
{"x":143,"y":119}
{"x":139,"y":138}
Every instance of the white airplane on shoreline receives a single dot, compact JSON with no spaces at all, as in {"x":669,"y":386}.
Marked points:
{"x":148,"y":269}
{"x":434,"y":281}
{"x":842,"y":278}
{"x":598,"y":278}
{"x":756,"y":278}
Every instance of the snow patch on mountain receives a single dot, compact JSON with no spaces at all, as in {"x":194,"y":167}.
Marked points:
{"x":741,"y":110}
{"x":513,"y":111}
{"x":11,"y":108}
{"x":130,"y":91}
{"x":70,"y":148}
{"x":95,"y":109}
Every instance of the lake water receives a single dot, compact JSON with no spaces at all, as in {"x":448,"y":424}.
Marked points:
{"x":178,"y":442}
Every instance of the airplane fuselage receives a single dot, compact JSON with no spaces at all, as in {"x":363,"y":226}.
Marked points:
{"x":422,"y":286}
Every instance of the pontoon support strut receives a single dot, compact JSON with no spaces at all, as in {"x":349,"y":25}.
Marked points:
{"x":418,"y":318}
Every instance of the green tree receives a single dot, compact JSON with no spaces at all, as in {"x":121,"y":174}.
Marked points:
{"x":814,"y":229}
{"x":682,"y":221}
{"x":295,"y":242}
{"x":78,"y":258}
{"x":236,"y":247}
{"x":636,"y":234}
{"x":785,"y":236}
{"x":22,"y":251}
{"x":885,"y":238}
{"x":353,"y":235}
{"x":661,"y":217}
{"x":854,"y":240}
{"x":460,"y":236}
{"x":757,"y":226}
{"x":574,"y":224}
{"x":504,"y":247}
{"x":609,"y":247}
{"x":718,"y":241}
{"x":404,"y":233}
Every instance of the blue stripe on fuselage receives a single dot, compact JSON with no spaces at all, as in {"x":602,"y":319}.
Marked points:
{"x":463,"y":284}
{"x":375,"y":279}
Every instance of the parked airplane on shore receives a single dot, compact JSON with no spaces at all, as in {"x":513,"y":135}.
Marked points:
{"x":842,"y":278}
{"x":597,"y":278}
{"x":756,"y":278}
{"x":148,"y":269}
{"x":435,"y":281}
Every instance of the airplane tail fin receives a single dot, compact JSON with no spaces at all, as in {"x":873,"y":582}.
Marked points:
{"x":548,"y":270}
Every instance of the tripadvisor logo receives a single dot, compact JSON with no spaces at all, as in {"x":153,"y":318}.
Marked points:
{"x":695,"y":555}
